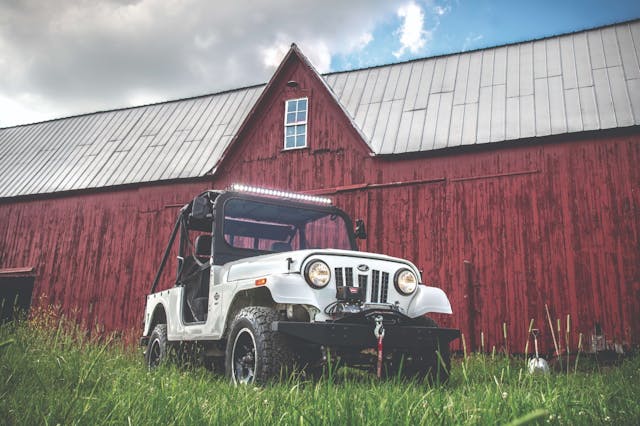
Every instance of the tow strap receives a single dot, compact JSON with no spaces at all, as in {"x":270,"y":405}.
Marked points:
{"x":378,"y":331}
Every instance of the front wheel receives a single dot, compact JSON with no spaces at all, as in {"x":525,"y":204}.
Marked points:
{"x":255,"y":353}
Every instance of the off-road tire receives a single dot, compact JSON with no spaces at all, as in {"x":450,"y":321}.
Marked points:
{"x":158,"y":348}
{"x":432,"y":363}
{"x":255,"y":353}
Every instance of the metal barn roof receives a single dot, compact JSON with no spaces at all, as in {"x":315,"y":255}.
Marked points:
{"x":172,"y":140}
{"x":583,"y":81}
{"x":588,"y":80}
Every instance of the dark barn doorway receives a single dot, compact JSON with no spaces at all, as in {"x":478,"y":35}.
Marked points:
{"x":15,"y":295}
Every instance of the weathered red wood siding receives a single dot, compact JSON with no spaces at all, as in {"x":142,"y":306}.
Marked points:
{"x":557,"y":223}
{"x":94,"y":254}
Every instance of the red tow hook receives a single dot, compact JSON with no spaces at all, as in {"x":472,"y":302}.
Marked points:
{"x":378,"y":331}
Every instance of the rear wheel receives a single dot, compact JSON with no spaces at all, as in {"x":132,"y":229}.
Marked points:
{"x":157,"y":348}
{"x":255,"y":353}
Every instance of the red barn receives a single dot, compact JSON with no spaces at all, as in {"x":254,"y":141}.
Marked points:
{"x":509,"y":175}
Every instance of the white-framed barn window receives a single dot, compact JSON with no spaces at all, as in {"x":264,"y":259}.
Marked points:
{"x":295,"y":123}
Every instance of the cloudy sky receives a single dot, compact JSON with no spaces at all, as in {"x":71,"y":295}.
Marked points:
{"x":66,"y":57}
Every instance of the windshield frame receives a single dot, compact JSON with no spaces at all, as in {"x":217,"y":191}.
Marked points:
{"x":224,"y":252}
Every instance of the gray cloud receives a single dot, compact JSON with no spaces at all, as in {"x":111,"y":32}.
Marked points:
{"x":64,"y":57}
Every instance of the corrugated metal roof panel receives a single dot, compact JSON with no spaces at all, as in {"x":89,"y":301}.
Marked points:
{"x":395,"y":117}
{"x":484,"y":115}
{"x":596,"y":50}
{"x":603,"y":98}
{"x":513,"y":77}
{"x":627,"y":50}
{"x":620,"y":96}
{"x":572,"y":102}
{"x":460,"y":84}
{"x":541,"y":105}
{"x":512,"y":125}
{"x":424,"y":87}
{"x":391,"y":83}
{"x":554,"y":67}
{"x":498,"y":113}
{"x":588,"y":109}
{"x":473,"y":81}
{"x":525,"y":69}
{"x":470,"y":124}
{"x":415,"y":133}
{"x":457,"y":122}
{"x":582,"y":81}
{"x":411,"y":93}
{"x":354,"y":84}
{"x":610,"y":45}
{"x":441,"y":138}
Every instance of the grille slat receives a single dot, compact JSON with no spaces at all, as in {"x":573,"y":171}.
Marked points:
{"x":384,"y":288}
{"x":348,"y":272}
{"x":362,"y":282}
{"x":379,"y":283}
{"x":375,"y":285}
{"x":339,"y":278}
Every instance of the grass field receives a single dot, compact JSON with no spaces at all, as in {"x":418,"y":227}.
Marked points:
{"x":52,"y":373}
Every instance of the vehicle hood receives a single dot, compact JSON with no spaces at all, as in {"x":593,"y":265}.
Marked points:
{"x":294,"y":261}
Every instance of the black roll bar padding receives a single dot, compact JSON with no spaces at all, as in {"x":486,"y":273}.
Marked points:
{"x":167,"y":252}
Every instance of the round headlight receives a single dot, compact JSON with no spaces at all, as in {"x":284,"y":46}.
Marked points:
{"x":406,"y":281}
{"x":317,"y":274}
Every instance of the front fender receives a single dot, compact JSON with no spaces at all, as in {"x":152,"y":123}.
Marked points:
{"x":428,"y":299}
{"x":292,"y":289}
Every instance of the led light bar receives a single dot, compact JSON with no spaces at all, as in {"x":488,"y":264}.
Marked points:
{"x":276,"y":193}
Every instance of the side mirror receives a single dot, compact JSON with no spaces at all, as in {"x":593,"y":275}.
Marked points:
{"x":361,"y":231}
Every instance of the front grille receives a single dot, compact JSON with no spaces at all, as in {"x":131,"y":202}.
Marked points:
{"x":379,"y":283}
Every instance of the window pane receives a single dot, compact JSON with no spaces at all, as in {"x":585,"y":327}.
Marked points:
{"x":290,"y":142}
{"x":295,"y":133}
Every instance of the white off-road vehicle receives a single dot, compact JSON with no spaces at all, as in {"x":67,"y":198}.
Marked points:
{"x":270,"y":282}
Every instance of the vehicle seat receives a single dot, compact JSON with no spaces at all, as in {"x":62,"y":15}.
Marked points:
{"x":203,"y":246}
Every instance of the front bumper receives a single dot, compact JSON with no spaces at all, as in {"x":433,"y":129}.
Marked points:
{"x":353,"y":335}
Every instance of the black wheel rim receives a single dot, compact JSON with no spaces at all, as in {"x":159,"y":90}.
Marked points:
{"x":155,"y":354}
{"x":244,"y":357}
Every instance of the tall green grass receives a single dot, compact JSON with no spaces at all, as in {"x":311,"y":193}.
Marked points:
{"x":53,"y":372}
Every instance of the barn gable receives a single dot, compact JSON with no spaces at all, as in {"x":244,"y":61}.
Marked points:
{"x":332,"y":143}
